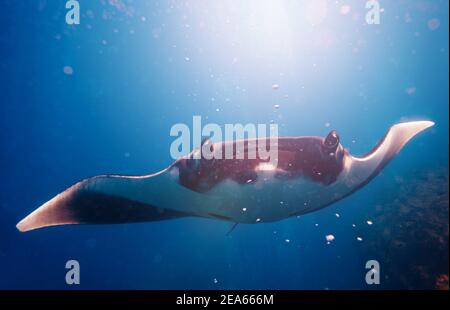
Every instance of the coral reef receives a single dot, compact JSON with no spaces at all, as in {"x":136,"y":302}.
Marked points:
{"x":413,"y":233}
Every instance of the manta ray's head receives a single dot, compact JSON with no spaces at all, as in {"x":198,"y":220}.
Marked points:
{"x":320,"y":159}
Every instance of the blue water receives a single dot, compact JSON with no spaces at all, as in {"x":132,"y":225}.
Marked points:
{"x":101,"y":97}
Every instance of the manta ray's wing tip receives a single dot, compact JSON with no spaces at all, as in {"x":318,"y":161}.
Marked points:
{"x":20,"y":227}
{"x":394,"y":140}
{"x":424,"y":123}
{"x":428,"y":124}
{"x":46,"y":215}
{"x":407,"y":130}
{"x":23,"y":225}
{"x":417,"y":125}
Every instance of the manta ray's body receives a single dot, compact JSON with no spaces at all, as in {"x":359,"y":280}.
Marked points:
{"x":311,"y":173}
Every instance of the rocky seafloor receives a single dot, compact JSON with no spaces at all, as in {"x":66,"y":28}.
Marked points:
{"x":411,"y":239}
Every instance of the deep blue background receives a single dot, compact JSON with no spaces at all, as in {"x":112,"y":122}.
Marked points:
{"x":141,"y":66}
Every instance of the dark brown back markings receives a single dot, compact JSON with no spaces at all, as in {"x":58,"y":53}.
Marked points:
{"x":315,"y":158}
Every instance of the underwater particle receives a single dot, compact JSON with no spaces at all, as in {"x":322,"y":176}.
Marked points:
{"x":353,"y":225}
{"x":287,"y":240}
{"x":127,"y":154}
{"x":408,"y":18}
{"x":217,"y":110}
{"x":410,"y":90}
{"x":329,"y":238}
{"x":143,"y":18}
{"x":281,"y":202}
{"x":187,"y":59}
{"x":369,"y":222}
{"x":258,"y":220}
{"x":337,"y":215}
{"x":215,"y":281}
{"x":433,"y":24}
{"x":275,"y":86}
{"x":327,"y":124}
{"x":317,"y":225}
{"x":345,"y":9}
{"x":244,"y":209}
{"x":276,"y":106}
{"x":359,"y":238}
{"x":249,"y":181}
{"x":68,"y":70}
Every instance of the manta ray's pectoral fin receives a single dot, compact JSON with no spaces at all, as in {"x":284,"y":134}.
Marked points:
{"x":100,"y":200}
{"x":365,"y":168}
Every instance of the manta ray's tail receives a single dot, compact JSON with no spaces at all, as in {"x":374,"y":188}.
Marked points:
{"x":98,"y":200}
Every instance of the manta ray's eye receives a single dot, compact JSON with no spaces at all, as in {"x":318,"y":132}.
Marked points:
{"x":331,"y":141}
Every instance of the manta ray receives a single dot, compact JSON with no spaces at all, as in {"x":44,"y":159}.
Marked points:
{"x":311,"y":173}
